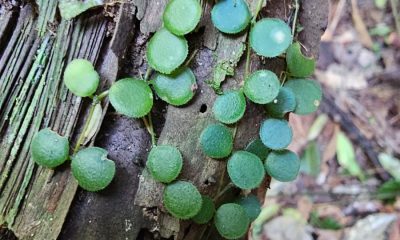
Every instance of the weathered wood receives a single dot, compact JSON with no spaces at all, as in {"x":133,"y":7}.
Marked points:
{"x":34,"y":201}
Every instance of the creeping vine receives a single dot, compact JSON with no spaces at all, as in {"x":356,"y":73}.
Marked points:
{"x":175,"y":83}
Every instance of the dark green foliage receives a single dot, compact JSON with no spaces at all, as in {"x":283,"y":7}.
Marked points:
{"x":49,"y":149}
{"x":231,"y":221}
{"x":131,"y":97}
{"x":308,"y":95}
{"x":324,"y":223}
{"x":283,"y":165}
{"x":245,"y":170}
{"x":284,"y":103}
{"x":177,"y":88}
{"x":206,"y":212}
{"x":164,"y":163}
{"x":276,"y":134}
{"x":229,"y":107}
{"x":251,"y":205}
{"x":166,"y":52}
{"x":258,"y":148}
{"x":216,"y":141}
{"x":182,"y":16}
{"x":262,"y":87}
{"x":231,"y":16}
{"x":270,"y":37}
{"x":92,"y":169}
{"x":182,"y":199}
{"x":299,"y":65}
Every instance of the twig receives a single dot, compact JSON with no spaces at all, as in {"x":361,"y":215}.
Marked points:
{"x":393,"y":5}
{"x":296,"y":13}
{"x":82,"y":134}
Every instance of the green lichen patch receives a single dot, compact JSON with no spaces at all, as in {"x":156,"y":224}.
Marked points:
{"x":164,"y":163}
{"x":299,"y":65}
{"x":284,"y":103}
{"x":216,"y":141}
{"x":258,"y":148}
{"x":92,"y":169}
{"x":177,"y":88}
{"x":245,"y":170}
{"x":251,"y":205}
{"x":270,"y":37}
{"x":283,"y":165}
{"x":229,"y":107}
{"x":182,"y":16}
{"x":81,"y":78}
{"x":206,"y":212}
{"x":231,"y":16}
{"x":262,"y":87}
{"x":182,"y":199}
{"x":166,"y":51}
{"x":231,"y":221}
{"x":276,"y":134}
{"x":131,"y":97}
{"x":308,"y":95}
{"x":49,"y":149}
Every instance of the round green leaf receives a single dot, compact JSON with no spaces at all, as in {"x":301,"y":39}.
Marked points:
{"x":298,"y":64}
{"x":245,"y":170}
{"x":81,"y":78}
{"x":251,"y":205}
{"x":166,"y":52}
{"x":229,"y":107}
{"x":285,"y":102}
{"x":216,"y":141}
{"x":177,"y":88}
{"x":231,"y":221}
{"x":182,"y":199}
{"x":49,"y":149}
{"x":283,"y":165}
{"x":92,"y":169}
{"x":231,"y":16}
{"x":276,"y":134}
{"x":182,"y":16}
{"x":258,"y":148}
{"x":206,"y":212}
{"x":164,"y":163}
{"x":262,"y":86}
{"x":270,"y":37}
{"x":308,"y":95}
{"x":131,"y":97}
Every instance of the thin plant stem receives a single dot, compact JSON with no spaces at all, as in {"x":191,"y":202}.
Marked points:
{"x":187,"y":63}
{"x":102,"y":95}
{"x":248,"y":55}
{"x":148,"y":73}
{"x":258,"y":9}
{"x":223,"y":191}
{"x":87,"y":122}
{"x":296,"y":13}
{"x":149,"y":126}
{"x":393,"y":5}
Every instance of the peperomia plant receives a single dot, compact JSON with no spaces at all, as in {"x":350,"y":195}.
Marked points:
{"x":175,"y":83}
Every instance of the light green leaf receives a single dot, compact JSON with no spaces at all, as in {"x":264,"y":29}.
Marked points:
{"x":347,"y":157}
{"x":381,"y":4}
{"x":72,"y":8}
{"x":311,"y":160}
{"x":317,"y":127}
{"x":390,"y":164}
{"x":94,"y":123}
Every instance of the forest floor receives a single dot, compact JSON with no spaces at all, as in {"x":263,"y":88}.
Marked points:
{"x":349,"y":187}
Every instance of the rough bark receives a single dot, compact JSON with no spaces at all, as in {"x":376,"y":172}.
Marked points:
{"x":34,"y":202}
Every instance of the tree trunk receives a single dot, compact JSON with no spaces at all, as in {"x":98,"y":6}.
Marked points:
{"x":35,"y":45}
